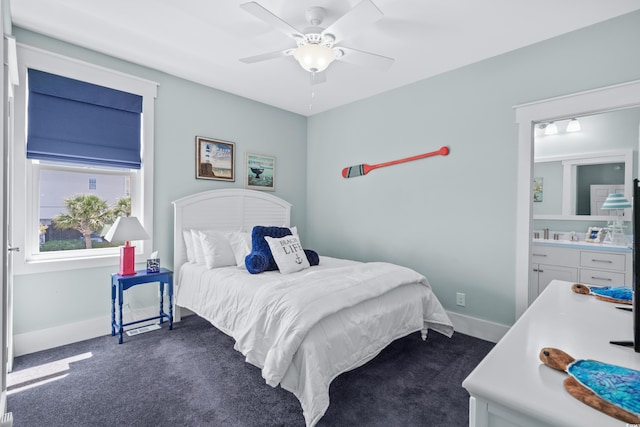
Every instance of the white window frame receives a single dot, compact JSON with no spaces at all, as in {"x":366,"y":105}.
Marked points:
{"x":25,"y":207}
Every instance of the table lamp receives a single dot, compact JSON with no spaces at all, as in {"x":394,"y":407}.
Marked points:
{"x":617,"y":202}
{"x":125,"y":229}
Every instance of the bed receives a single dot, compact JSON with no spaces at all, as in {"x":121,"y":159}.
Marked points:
{"x":304,"y":328}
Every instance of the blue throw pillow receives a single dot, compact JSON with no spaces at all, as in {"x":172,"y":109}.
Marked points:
{"x":256,"y":263}
{"x":312,"y":256}
{"x":260,"y":246}
{"x":260,"y":258}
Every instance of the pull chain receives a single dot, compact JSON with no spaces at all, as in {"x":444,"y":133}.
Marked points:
{"x":313,"y":94}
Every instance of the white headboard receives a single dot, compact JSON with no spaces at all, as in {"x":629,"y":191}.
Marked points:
{"x":228,"y":209}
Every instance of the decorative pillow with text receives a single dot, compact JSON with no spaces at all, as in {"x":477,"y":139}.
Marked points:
{"x":288,"y":253}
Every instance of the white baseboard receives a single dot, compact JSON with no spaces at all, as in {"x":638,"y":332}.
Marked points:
{"x":3,"y":401}
{"x":477,"y":328}
{"x":31,"y":342}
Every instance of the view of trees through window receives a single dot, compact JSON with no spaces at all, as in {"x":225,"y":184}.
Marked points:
{"x":77,"y":208}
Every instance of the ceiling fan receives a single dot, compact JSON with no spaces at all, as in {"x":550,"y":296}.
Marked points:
{"x":318,"y":47}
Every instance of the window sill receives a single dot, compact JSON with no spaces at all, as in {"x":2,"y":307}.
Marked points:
{"x":44,"y":265}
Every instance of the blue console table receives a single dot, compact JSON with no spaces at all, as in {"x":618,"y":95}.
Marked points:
{"x":119,"y":284}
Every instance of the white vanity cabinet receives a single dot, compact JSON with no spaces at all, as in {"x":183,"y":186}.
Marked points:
{"x":591,"y":264}
{"x":543,"y":274}
{"x":552,"y":263}
{"x":605,"y":268}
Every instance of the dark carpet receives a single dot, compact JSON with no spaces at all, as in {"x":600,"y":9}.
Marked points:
{"x":191,"y":376}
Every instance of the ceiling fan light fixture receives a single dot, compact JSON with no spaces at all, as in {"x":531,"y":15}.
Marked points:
{"x":314,"y":57}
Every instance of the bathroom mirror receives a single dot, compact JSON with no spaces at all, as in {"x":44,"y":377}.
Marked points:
{"x":574,"y":187}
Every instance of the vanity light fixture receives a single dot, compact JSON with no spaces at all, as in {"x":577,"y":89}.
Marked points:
{"x":551,"y":129}
{"x":573,"y":125}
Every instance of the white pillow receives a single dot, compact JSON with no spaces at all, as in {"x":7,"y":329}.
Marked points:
{"x":198,"y":253}
{"x":216,"y":248}
{"x":288,"y":253}
{"x":188,"y":242}
{"x":240,"y":242}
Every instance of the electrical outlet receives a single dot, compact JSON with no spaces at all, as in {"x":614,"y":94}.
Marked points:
{"x":460,"y":299}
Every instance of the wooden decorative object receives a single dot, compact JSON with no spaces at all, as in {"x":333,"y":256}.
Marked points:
{"x":363,"y":169}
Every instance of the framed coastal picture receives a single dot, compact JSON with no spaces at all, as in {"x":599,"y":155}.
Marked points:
{"x":594,"y":235}
{"x":537,"y":189}
{"x":260,"y":172}
{"x":215,"y":159}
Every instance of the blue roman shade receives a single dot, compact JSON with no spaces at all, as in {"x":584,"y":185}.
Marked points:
{"x":74,"y":121}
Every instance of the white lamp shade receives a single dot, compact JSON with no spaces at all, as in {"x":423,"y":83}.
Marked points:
{"x":551,"y":129}
{"x":314,"y":57}
{"x":125,"y":229}
{"x":573,"y":126}
{"x":616,"y":201}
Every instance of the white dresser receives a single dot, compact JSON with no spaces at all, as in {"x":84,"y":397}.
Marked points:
{"x":512,"y":387}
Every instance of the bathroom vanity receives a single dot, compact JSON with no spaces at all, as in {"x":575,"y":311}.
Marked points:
{"x":583,"y":262}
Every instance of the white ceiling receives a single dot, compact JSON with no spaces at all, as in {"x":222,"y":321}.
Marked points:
{"x":202,"y":40}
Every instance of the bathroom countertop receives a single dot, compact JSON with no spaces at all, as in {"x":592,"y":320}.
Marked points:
{"x":583,"y":245}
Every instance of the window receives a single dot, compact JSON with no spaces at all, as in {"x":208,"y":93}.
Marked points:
{"x":61,"y":159}
{"x":57,"y":183}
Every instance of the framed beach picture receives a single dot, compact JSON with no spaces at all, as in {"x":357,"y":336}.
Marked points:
{"x":260,"y":172}
{"x":537,"y":189}
{"x":594,"y":235}
{"x":215,"y":159}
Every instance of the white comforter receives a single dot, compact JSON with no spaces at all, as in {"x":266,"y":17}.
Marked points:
{"x":270,"y":315}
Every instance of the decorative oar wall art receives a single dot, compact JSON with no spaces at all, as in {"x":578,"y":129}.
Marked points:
{"x":363,"y":169}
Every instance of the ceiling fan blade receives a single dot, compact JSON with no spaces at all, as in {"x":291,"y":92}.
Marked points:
{"x":267,"y":56}
{"x":264,"y":15}
{"x":365,"y":59}
{"x":362,"y":15}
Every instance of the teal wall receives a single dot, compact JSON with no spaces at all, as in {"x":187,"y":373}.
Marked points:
{"x":551,"y":175}
{"x":452,"y":218}
{"x":183,"y":110}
